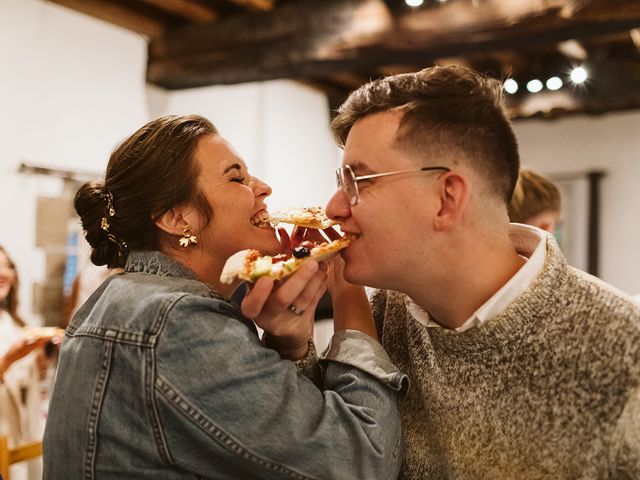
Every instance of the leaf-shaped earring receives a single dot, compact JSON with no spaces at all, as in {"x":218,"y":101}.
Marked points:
{"x":187,"y":237}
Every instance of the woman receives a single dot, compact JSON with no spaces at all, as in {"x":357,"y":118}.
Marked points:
{"x":161,"y":375}
{"x":21,"y":414}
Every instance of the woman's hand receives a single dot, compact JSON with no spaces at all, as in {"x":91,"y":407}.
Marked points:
{"x":285,"y":310}
{"x":21,"y":349}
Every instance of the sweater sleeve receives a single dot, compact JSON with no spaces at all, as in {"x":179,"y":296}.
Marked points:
{"x":625,"y":444}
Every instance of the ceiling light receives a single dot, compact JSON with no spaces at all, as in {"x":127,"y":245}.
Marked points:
{"x":414,"y":3}
{"x":554,"y":83}
{"x":579,"y":75}
{"x":510,"y":86}
{"x":534,"y":86}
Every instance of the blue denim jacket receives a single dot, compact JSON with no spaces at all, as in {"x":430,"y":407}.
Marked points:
{"x":161,"y":378}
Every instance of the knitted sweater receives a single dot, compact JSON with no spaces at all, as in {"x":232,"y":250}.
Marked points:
{"x":548,"y":389}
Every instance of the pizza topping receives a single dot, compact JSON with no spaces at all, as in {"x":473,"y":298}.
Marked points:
{"x":301,"y":251}
{"x":280,"y":258}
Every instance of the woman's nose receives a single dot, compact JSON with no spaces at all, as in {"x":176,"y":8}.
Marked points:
{"x":260,"y":189}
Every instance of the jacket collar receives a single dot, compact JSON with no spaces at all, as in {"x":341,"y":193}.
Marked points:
{"x":157,"y":263}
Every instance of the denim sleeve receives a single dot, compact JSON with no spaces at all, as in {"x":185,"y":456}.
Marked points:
{"x":355,"y":348}
{"x":228,"y":407}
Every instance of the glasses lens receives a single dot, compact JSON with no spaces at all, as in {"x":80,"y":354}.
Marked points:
{"x":346,"y":181}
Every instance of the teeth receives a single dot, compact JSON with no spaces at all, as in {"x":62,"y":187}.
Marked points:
{"x":261,"y":219}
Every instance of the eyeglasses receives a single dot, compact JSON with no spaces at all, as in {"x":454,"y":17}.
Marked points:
{"x":347,"y":181}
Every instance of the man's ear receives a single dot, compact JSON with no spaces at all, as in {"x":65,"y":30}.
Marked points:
{"x":454,"y":194}
{"x":175,"y":220}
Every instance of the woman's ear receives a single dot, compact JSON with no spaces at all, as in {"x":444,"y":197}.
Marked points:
{"x":454,"y":194}
{"x":170,"y":222}
{"x":175,"y":220}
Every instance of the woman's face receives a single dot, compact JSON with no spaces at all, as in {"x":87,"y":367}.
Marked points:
{"x":236,"y":199}
{"x":7,"y":276}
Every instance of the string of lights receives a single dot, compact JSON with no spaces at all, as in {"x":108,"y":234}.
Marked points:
{"x":577,"y":76}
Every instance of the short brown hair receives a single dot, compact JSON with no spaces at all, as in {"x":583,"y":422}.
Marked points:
{"x":450,"y":108}
{"x":534,"y":194}
{"x":149,"y":173}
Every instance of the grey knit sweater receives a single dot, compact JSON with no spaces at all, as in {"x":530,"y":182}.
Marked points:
{"x":549,"y":389}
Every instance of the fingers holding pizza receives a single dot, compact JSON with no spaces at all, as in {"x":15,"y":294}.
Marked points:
{"x":285,"y":309}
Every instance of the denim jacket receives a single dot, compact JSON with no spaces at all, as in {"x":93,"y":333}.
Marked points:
{"x":161,"y":378}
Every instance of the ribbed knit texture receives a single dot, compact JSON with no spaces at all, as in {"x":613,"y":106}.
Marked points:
{"x":546,"y":390}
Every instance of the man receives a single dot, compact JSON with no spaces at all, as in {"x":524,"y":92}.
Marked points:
{"x":535,"y":201}
{"x":521,"y":366}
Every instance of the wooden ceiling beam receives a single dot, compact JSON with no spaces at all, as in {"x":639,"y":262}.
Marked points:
{"x":144,"y":23}
{"x":310,"y":39}
{"x":260,"y":5}
{"x":186,"y":9}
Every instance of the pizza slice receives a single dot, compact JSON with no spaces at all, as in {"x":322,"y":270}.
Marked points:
{"x":308,"y":217}
{"x":250,"y":265}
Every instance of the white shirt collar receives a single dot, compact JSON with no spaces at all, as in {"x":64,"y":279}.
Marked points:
{"x":530,"y":243}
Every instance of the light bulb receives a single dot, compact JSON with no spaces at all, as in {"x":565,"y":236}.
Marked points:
{"x":579,"y":75}
{"x":534,"y":86}
{"x":554,"y":83}
{"x":510,"y":86}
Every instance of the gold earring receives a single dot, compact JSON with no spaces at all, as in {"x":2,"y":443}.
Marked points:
{"x":187,"y":237}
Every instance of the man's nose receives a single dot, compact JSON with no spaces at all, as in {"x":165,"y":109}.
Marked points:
{"x":338,"y":208}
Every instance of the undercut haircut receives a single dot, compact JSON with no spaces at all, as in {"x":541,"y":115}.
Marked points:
{"x":451,"y":109}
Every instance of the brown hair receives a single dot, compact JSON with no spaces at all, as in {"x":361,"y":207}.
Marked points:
{"x":149,"y":173}
{"x":10,"y":303}
{"x":446,"y":108}
{"x":534,"y":194}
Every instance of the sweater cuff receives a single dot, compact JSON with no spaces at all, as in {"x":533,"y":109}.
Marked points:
{"x":359,"y":350}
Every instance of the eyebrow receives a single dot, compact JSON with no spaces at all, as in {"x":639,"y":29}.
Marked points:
{"x":235,"y":166}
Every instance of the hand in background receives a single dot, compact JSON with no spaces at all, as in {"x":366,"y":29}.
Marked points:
{"x":21,"y":349}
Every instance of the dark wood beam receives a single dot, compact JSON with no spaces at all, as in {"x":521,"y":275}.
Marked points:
{"x":186,"y":9}
{"x":139,"y":20}
{"x":312,"y":40}
{"x":260,"y":5}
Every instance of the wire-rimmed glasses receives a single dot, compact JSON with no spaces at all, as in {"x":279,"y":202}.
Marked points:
{"x":347,"y":181}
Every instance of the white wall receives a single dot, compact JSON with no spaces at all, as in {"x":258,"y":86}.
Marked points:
{"x":610,"y":143}
{"x":280,"y":128}
{"x":70,"y":88}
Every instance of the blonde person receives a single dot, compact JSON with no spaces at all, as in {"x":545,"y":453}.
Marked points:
{"x":21,"y":409}
{"x":162,"y":376}
{"x":536,"y":201}
{"x":521,"y":366}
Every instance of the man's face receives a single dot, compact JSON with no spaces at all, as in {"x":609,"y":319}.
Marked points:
{"x":391,"y":221}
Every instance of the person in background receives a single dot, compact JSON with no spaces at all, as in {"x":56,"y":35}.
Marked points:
{"x":162,"y":376}
{"x":521,"y":366}
{"x":536,"y":201}
{"x":21,"y":412}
